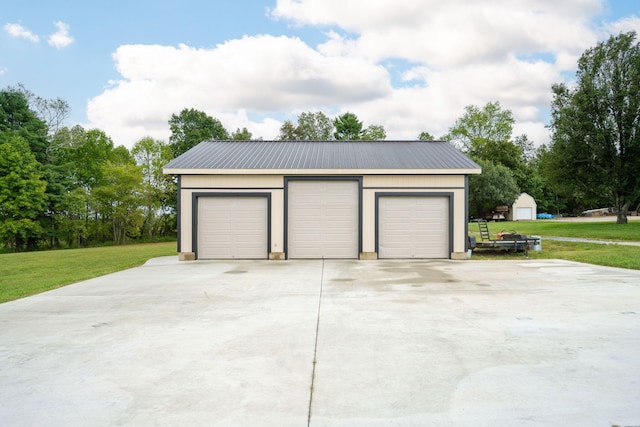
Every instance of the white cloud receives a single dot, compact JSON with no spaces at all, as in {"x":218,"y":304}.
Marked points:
{"x":624,"y":25}
{"x":61,"y":38}
{"x":3,"y":70}
{"x":443,"y":56}
{"x":451,"y":33}
{"x":18,"y":31}
{"x":261,"y":74}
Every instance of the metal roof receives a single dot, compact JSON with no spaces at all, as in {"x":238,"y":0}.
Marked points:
{"x":265,"y":155}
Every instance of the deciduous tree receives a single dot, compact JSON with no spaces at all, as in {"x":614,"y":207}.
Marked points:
{"x":425,"y":136}
{"x":374,"y":133}
{"x":52,"y":111}
{"x":596,"y":125}
{"x":22,"y":194}
{"x":118,"y":198}
{"x":288,"y":131}
{"x":158,"y":190}
{"x":314,"y":127}
{"x":485,"y":133}
{"x":308,"y":127}
{"x":241,"y":135}
{"x":191,"y":127}
{"x":494,"y":187}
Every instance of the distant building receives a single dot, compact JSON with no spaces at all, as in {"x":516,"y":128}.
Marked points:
{"x":524,"y":208}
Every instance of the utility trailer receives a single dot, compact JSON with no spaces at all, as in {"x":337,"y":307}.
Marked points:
{"x":507,"y":241}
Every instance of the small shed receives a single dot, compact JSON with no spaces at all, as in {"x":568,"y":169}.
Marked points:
{"x":524,"y":208}
{"x":322,"y":199}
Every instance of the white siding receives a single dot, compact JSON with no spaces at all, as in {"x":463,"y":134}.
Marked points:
{"x":413,"y":227}
{"x":232,"y":227}
{"x":323,"y":219}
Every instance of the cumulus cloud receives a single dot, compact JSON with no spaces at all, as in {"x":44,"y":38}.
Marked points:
{"x":465,"y":53}
{"x":630,"y":23}
{"x":261,"y":74}
{"x":61,"y":38}
{"x":453,"y":32}
{"x":18,"y":31}
{"x":409,"y":66}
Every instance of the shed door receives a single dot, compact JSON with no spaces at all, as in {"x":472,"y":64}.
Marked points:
{"x":524,"y":213}
{"x":323,"y":219}
{"x":413,"y":227}
{"x":232,"y":227}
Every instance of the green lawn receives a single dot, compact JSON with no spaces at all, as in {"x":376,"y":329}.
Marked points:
{"x":29,"y":273}
{"x":588,"y":230}
{"x":609,"y":255}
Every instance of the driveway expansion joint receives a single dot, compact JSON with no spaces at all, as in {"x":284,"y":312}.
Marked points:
{"x":315,"y":347}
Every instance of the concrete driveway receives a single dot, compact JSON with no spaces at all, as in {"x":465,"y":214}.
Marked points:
{"x":328,"y":343}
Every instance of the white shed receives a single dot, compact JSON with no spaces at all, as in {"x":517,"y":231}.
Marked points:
{"x":524,"y":208}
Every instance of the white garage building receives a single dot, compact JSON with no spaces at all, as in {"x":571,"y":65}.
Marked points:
{"x":322,"y":199}
{"x":524,"y":208}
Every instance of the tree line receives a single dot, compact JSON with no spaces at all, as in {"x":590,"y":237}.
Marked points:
{"x":64,"y":187}
{"x":593,"y":159}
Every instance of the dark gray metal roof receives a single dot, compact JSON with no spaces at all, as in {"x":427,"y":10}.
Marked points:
{"x":322,"y":155}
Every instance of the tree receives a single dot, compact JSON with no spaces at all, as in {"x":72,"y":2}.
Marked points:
{"x":22,"y":194}
{"x":485,"y":133}
{"x":158,"y":190}
{"x":118,"y":197}
{"x":425,"y":136}
{"x":314,"y":127}
{"x":17,"y":118}
{"x":191,"y":127}
{"x":288,"y":131}
{"x":348,"y":127}
{"x":309,"y":127}
{"x":495,"y":186}
{"x":87,"y":151}
{"x":374,"y":133}
{"x":596,"y":125}
{"x":51,"y":111}
{"x":241,"y":135}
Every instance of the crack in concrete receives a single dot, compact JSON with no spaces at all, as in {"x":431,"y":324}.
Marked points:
{"x":315,"y":347}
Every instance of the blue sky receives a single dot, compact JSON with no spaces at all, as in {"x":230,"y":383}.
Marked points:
{"x":126,"y":66}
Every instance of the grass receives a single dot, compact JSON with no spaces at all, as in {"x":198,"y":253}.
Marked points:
{"x":29,"y":273}
{"x":599,"y":254}
{"x":586,"y":230}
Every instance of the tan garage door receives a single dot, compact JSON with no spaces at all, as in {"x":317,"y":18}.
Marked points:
{"x":413,"y":227}
{"x":232,"y":227}
{"x":323,"y":219}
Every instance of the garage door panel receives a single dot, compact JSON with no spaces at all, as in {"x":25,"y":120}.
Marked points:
{"x":524,"y":213}
{"x":413,"y":227}
{"x":323,"y":219}
{"x":232,"y":227}
{"x":337,"y":239}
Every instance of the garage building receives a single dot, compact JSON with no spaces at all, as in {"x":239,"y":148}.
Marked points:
{"x":524,"y":208}
{"x":322,"y":199}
